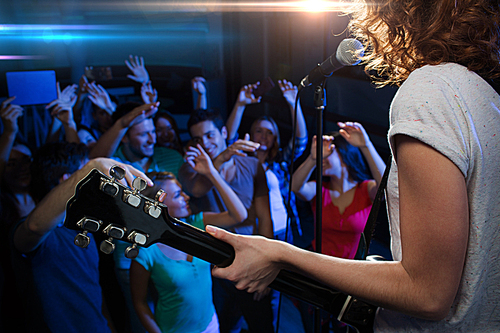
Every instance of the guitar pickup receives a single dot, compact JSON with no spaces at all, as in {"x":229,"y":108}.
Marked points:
{"x":89,"y":224}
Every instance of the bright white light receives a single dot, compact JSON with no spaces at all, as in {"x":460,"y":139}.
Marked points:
{"x":316,"y":5}
{"x":221,"y":6}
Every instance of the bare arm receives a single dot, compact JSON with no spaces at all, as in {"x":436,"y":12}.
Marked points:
{"x":355,"y":134}
{"x":9,"y":114}
{"x":434,"y":234}
{"x":300,"y":186}
{"x":262,"y":209}
{"x":236,"y":212}
{"x":261,"y":203}
{"x":62,"y":114}
{"x":139,"y":279}
{"x":245,"y":97}
{"x":198,"y":86}
{"x":51,"y":210}
{"x":290,"y":93}
{"x":193,"y":182}
{"x":109,"y":141}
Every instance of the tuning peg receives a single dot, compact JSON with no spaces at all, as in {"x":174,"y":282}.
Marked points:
{"x":132,"y":251}
{"x":132,"y":197}
{"x":109,"y":186}
{"x":152,"y":207}
{"x":114,"y":231}
{"x":107,"y":246}
{"x":82,"y":240}
{"x":117,"y":172}
{"x":89,"y":224}
{"x":139,"y":184}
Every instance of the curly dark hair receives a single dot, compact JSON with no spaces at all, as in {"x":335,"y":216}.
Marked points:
{"x":404,"y":35}
{"x":200,"y":115}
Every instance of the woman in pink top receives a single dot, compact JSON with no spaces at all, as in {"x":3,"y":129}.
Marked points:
{"x":347,"y":186}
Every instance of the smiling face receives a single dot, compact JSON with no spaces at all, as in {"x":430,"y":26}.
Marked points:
{"x":176,"y":200}
{"x":209,"y":137}
{"x":263,"y":133}
{"x":140,"y":139}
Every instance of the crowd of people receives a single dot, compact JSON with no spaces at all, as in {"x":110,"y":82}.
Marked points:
{"x":444,"y":218}
{"x":242,"y":185}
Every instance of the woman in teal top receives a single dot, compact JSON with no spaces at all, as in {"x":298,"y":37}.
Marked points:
{"x":183,"y":282}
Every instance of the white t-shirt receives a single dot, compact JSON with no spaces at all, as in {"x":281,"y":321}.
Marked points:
{"x":457,"y":113}
{"x":278,"y":210}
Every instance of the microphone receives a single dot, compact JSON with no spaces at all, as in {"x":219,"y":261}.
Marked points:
{"x":348,"y":53}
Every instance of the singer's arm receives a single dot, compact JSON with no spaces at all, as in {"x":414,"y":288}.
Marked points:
{"x":434,"y":221}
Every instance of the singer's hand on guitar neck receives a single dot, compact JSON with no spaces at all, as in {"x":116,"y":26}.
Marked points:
{"x":256,"y":264}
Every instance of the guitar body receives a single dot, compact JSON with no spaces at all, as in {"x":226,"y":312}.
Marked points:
{"x":102,"y":205}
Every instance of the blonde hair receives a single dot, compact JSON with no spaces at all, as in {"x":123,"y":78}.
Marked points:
{"x":276,"y":145}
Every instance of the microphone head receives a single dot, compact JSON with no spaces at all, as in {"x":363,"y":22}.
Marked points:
{"x":349,"y":52}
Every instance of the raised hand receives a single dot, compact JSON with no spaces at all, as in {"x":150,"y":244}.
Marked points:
{"x":199,"y":160}
{"x":288,"y":90}
{"x":198,"y":85}
{"x":9,"y":114}
{"x":240,"y":147}
{"x":246,"y":95}
{"x":354,"y":133}
{"x":139,"y":114}
{"x":63,"y":110}
{"x":66,"y":97}
{"x":328,"y":146}
{"x":136,"y":66}
{"x":148,"y":94}
{"x":100,"y":97}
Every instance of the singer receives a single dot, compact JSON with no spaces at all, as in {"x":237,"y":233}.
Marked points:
{"x":442,"y":194}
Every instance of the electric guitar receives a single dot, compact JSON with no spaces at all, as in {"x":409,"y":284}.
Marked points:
{"x":103,"y":205}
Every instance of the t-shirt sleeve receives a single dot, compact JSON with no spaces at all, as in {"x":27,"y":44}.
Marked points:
{"x":145,"y":257}
{"x":428,"y":109}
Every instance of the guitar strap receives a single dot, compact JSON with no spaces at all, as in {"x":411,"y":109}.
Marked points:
{"x":366,"y":236}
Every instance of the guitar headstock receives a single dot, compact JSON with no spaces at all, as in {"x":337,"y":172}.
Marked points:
{"x":103,"y":205}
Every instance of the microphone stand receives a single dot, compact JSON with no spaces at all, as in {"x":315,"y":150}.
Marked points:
{"x":319,"y":105}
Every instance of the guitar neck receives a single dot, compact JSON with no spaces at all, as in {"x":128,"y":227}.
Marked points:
{"x":204,"y":246}
{"x":101,"y":205}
